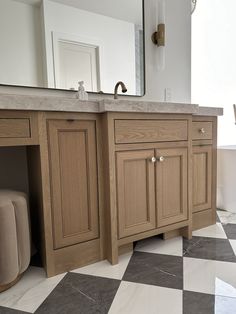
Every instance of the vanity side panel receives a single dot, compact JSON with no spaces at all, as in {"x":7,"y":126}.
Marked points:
{"x":207,"y":216}
{"x":77,"y":255}
{"x":73,"y":167}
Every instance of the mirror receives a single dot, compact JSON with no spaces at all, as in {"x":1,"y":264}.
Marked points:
{"x":57,"y":43}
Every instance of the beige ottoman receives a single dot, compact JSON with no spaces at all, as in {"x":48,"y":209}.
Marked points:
{"x":14,"y":237}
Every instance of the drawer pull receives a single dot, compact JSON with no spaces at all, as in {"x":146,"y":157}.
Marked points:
{"x":70,"y":120}
{"x":202,"y":130}
{"x":153,"y":159}
{"x":161,"y":159}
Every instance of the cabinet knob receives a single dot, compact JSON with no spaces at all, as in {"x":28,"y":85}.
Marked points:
{"x":153,"y":159}
{"x":161,"y":159}
{"x":202,"y":130}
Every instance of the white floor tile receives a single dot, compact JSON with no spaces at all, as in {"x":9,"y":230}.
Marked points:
{"x":233,"y":244}
{"x":224,"y":305}
{"x":105,"y":269}
{"x":214,"y":231}
{"x":133,"y":298}
{"x":227,"y":217}
{"x":156,"y":245}
{"x":212,"y":277}
{"x":30,"y":292}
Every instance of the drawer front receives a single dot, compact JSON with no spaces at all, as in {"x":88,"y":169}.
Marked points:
{"x":15,"y":128}
{"x":147,"y":131}
{"x":202,"y":130}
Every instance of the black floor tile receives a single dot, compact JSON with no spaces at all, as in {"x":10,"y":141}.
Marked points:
{"x":198,"y":303}
{"x":230,"y":230}
{"x":5,"y":310}
{"x":81,"y":294}
{"x":155,"y":269}
{"x":209,"y":248}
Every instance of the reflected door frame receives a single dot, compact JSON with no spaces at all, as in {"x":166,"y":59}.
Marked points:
{"x":79,"y":40}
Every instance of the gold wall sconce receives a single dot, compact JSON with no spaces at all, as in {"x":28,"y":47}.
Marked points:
{"x":158,"y":37}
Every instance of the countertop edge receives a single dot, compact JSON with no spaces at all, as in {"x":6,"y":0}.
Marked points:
{"x":59,"y":104}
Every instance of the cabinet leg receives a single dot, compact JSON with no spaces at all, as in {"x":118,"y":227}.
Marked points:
{"x":113,"y":256}
{"x":186,"y":232}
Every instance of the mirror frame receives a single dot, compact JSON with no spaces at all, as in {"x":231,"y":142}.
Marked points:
{"x":97,"y":93}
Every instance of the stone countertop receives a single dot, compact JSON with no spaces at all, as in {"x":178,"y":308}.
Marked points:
{"x":39,"y":103}
{"x":210,"y":111}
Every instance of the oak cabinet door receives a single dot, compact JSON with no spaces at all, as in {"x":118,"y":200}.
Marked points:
{"x":171,"y":185}
{"x":74,"y":191}
{"x":202,"y":178}
{"x":135,"y":192}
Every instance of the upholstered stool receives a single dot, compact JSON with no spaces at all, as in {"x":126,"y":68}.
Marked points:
{"x":14,"y":237}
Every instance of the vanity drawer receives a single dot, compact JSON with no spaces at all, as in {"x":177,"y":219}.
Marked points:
{"x":147,"y":131}
{"x":202,"y":130}
{"x":17,"y":128}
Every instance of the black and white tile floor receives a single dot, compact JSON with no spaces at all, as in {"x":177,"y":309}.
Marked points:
{"x":161,"y":277}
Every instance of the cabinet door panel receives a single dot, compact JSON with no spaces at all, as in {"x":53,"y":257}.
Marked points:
{"x":135,"y":192}
{"x":171,"y":186}
{"x":202,"y":177}
{"x":72,"y":148}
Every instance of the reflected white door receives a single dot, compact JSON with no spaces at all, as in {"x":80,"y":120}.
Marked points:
{"x":77,"y":62}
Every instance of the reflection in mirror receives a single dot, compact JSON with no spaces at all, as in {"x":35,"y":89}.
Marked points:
{"x":57,"y":43}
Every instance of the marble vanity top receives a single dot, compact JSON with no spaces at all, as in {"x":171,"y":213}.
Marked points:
{"x":41,"y":103}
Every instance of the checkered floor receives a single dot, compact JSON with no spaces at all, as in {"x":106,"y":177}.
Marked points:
{"x":162,"y":277}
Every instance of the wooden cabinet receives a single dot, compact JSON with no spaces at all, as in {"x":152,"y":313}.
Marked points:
{"x":151,"y":189}
{"x":135,"y":192}
{"x":73,"y":168}
{"x":202,"y":177}
{"x":171,"y":185}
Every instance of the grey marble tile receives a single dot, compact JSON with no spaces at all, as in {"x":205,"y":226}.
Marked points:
{"x":230,"y":230}
{"x":155,"y":269}
{"x":198,"y":303}
{"x":5,"y":310}
{"x":209,"y":248}
{"x":201,"y":303}
{"x":81,"y":294}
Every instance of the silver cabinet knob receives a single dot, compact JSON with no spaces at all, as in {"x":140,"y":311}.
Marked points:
{"x":161,"y":159}
{"x":153,"y":159}
{"x":202,"y":130}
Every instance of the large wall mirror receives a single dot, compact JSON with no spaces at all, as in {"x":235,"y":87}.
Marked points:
{"x":56,"y":43}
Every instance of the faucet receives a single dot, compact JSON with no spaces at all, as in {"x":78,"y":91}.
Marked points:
{"x":124,"y":89}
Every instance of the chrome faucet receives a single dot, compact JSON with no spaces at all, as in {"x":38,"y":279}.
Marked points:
{"x":124,"y":89}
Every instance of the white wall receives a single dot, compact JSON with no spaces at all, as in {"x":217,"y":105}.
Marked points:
{"x":116,"y":39}
{"x":20,"y":32}
{"x":176,"y":75}
{"x":213,"y":61}
{"x":177,"y":72}
{"x":130,"y":11}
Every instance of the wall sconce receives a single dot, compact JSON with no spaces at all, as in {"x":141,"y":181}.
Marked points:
{"x":158,"y":37}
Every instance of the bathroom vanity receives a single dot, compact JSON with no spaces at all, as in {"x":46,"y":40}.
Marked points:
{"x":104,"y":174}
